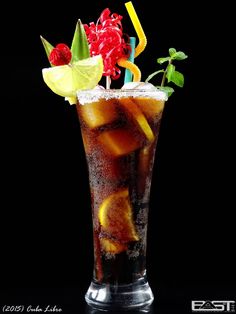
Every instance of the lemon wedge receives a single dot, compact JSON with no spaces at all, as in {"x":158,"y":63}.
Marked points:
{"x":115,"y":216}
{"x":66,"y":80}
{"x":139,"y":118}
{"x":110,"y":246}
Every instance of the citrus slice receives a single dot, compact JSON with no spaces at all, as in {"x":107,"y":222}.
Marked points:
{"x":137,"y":115}
{"x":115,"y":217}
{"x":111,"y":246}
{"x":66,"y":80}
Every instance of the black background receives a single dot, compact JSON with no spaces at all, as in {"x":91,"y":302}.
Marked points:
{"x":46,"y":233}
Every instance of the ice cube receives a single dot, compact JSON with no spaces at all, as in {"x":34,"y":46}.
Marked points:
{"x":139,"y":85}
{"x":99,"y":113}
{"x":119,"y":142}
{"x":149,"y":106}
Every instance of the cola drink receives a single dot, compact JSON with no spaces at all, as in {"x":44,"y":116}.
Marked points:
{"x":120,"y":131}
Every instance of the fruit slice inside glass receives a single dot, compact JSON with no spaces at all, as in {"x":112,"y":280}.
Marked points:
{"x":120,"y":130}
{"x":115,"y":216}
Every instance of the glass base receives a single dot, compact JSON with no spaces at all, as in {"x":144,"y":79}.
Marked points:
{"x":133,"y":296}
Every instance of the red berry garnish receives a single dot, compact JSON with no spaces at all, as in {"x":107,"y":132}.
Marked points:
{"x":60,"y":55}
{"x":106,"y":38}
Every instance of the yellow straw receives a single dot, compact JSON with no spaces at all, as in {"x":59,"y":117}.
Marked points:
{"x":132,"y":67}
{"x":138,"y":28}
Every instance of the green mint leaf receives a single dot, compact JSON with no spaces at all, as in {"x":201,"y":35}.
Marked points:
{"x":169,"y":90}
{"x":169,"y":72}
{"x":162,"y":60}
{"x":172,"y":51}
{"x":153,"y":74}
{"x":47,"y":47}
{"x":179,"y":55}
{"x":177,"y":78}
{"x":79,"y":46}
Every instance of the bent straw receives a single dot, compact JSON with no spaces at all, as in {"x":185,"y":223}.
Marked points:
{"x":128,"y":73}
{"x":132,"y":67}
{"x":138,"y":28}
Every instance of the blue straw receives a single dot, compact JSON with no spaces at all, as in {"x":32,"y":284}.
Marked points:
{"x":128,"y":74}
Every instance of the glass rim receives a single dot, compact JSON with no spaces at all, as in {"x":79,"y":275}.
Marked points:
{"x":93,"y":95}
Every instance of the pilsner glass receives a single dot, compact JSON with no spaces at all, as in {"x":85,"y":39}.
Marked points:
{"x":120,"y":131}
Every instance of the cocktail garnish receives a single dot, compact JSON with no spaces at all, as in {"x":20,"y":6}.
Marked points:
{"x":66,"y":80}
{"x":170,"y":73}
{"x":47,"y":47}
{"x":79,"y":46}
{"x":106,"y":37}
{"x":60,"y":55}
{"x":141,"y":45}
{"x":128,"y":73}
{"x":138,"y":28}
{"x":74,"y":70}
{"x":132,"y":67}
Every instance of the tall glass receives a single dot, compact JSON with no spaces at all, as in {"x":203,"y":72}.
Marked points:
{"x":120,"y":131}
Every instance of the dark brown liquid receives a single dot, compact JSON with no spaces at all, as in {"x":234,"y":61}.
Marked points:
{"x":120,"y":137}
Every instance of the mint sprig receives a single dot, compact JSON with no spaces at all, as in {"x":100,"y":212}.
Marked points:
{"x":169,"y":73}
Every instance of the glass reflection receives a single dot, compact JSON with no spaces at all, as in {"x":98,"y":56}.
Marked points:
{"x":147,"y":310}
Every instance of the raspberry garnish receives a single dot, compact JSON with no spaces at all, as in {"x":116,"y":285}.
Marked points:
{"x":106,"y":37}
{"x":60,"y":55}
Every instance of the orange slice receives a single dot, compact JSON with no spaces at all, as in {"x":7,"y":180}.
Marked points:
{"x":139,"y":118}
{"x":119,"y":142}
{"x":111,"y":246}
{"x":115,"y":217}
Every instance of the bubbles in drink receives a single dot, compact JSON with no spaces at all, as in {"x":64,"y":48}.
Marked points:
{"x":97,"y":114}
{"x":136,"y":115}
{"x":119,"y":142}
{"x":120,"y":130}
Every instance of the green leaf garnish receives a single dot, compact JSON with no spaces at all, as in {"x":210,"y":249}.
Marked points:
{"x":153,"y":74}
{"x":162,"y":60}
{"x":47,"y":47}
{"x":170,"y":73}
{"x":180,"y":55}
{"x":177,"y":78}
{"x":172,"y":51}
{"x":79,"y":46}
{"x":169,"y":90}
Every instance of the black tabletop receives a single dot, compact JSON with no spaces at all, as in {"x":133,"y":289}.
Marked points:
{"x":168,"y":298}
